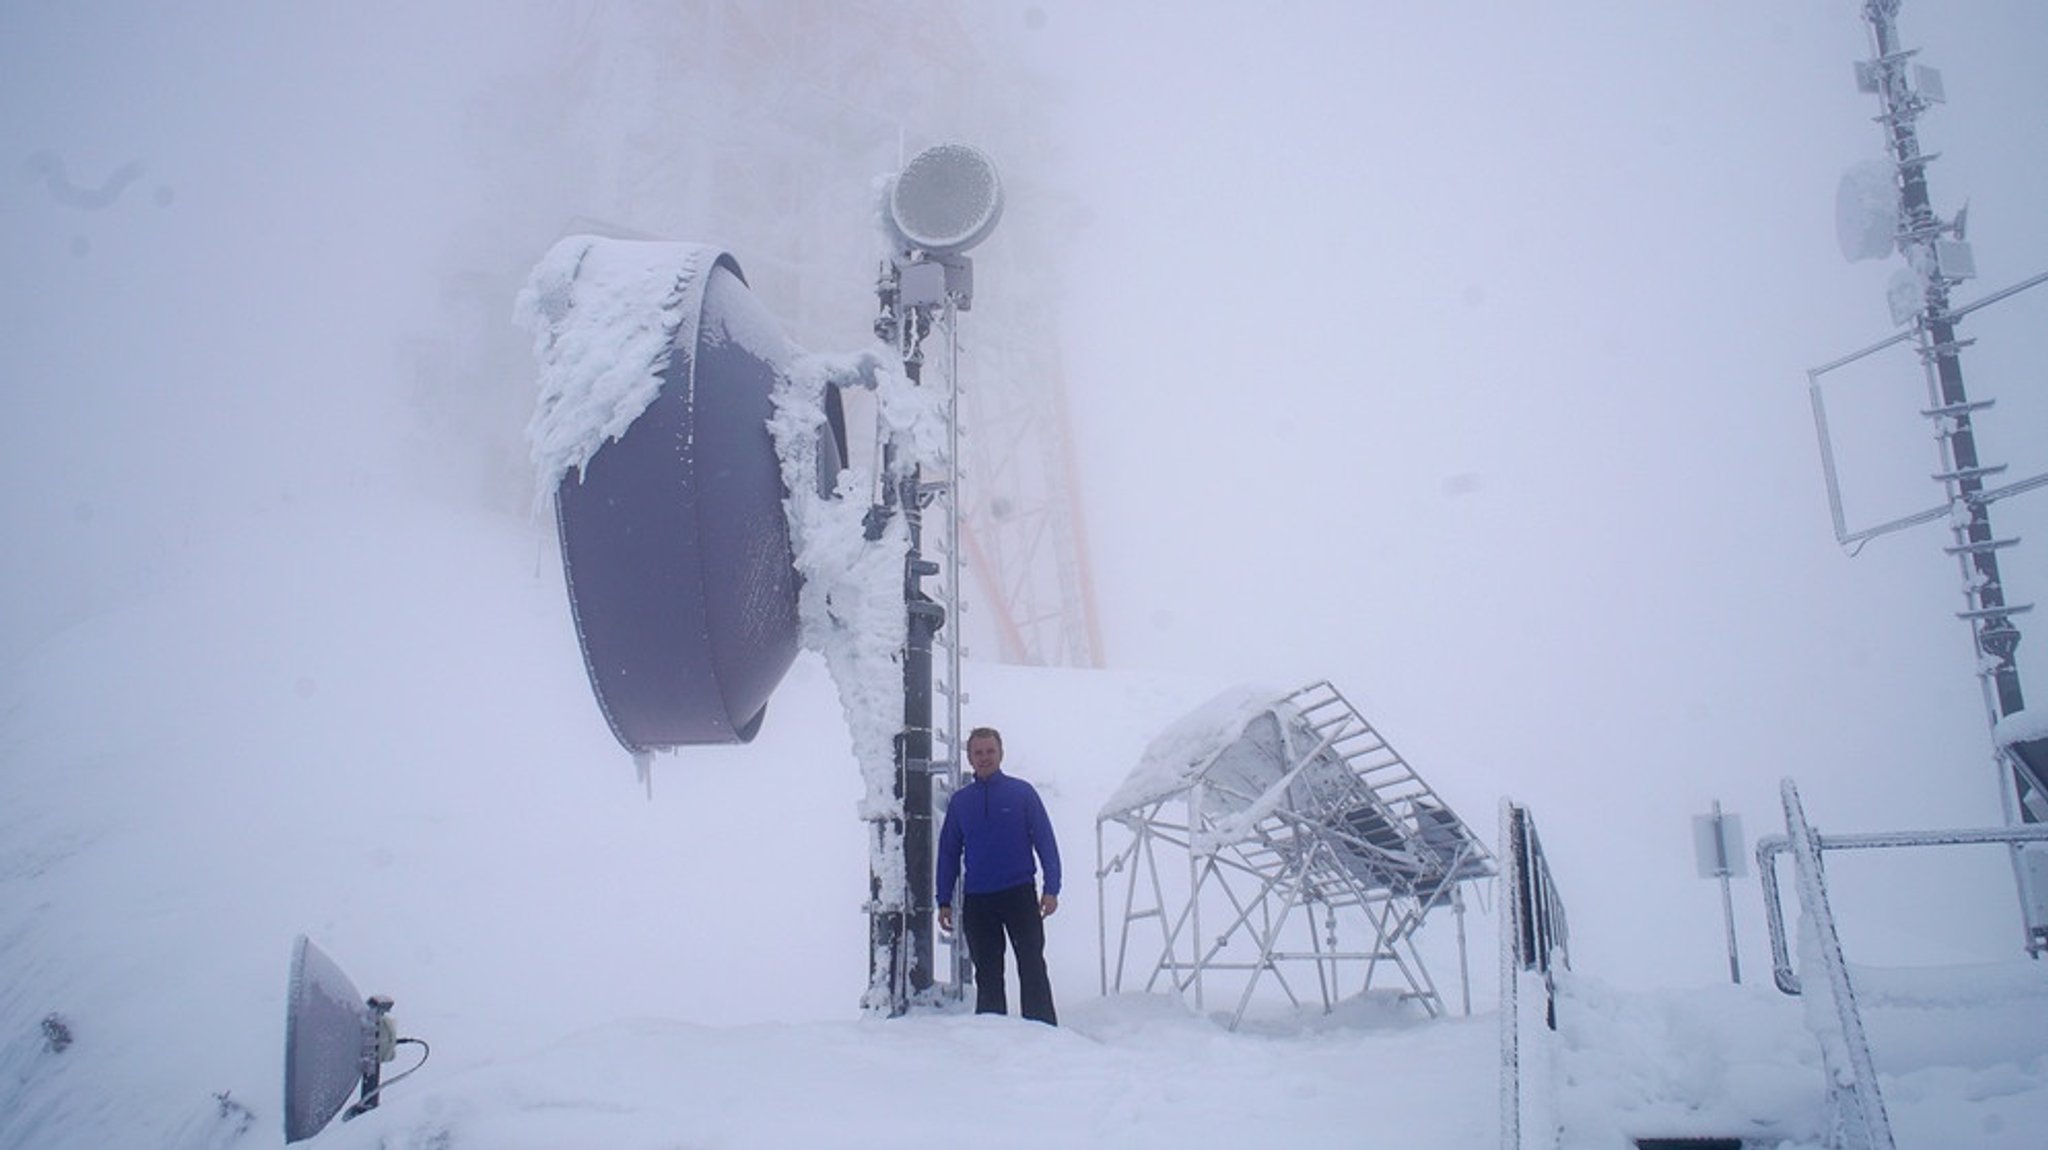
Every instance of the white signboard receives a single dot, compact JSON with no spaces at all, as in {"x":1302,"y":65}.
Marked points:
{"x":1717,"y":844}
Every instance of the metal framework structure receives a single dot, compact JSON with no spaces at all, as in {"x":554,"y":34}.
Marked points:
{"x":1022,"y":533}
{"x":1939,"y":260}
{"x":1296,"y":837}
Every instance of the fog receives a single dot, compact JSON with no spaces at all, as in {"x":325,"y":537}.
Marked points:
{"x":1474,"y":345}
{"x":1455,"y":355}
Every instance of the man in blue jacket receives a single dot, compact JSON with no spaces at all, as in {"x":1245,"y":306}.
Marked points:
{"x":999,"y":822}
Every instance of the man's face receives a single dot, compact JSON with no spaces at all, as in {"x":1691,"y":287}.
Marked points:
{"x":984,"y":755}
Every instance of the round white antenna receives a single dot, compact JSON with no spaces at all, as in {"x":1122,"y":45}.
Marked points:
{"x":946,"y":200}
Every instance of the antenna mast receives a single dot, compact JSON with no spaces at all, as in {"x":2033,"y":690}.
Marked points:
{"x":1938,"y":258}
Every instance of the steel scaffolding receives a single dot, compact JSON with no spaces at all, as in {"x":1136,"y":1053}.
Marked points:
{"x":1292,"y":821}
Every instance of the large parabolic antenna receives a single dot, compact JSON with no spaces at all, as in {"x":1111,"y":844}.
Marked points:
{"x":674,"y":540}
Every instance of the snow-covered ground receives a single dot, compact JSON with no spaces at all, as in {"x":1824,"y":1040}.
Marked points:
{"x":369,"y":724}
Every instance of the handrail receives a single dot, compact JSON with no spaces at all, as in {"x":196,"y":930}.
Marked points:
{"x":1854,"y":1100}
{"x":1770,"y":847}
{"x":1542,"y":935}
{"x":1532,"y":937}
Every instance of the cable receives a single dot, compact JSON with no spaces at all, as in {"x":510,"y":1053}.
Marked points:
{"x":373,"y":1097}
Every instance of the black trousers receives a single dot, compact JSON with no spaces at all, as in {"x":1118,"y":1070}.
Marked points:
{"x":985,"y":919}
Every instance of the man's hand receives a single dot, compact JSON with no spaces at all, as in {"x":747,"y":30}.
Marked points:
{"x":1047,"y":903}
{"x":946,"y":919}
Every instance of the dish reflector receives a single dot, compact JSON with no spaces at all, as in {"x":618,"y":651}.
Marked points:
{"x":946,"y":200}
{"x":329,"y":1041}
{"x":674,"y":540}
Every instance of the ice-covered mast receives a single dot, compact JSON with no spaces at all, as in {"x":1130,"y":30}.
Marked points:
{"x":946,"y":200}
{"x":1938,"y":259}
{"x":1921,"y":237}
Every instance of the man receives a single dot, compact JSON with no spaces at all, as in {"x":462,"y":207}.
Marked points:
{"x":999,"y":823}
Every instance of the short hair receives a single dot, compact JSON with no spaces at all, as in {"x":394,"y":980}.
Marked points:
{"x":986,"y":733}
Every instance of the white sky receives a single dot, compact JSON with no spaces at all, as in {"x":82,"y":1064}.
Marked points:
{"x":1455,"y":355}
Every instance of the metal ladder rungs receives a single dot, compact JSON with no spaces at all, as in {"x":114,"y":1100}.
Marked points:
{"x":1937,"y":350}
{"x":1981,"y":547}
{"x":1995,"y":612}
{"x":1354,"y":754}
{"x":1336,"y":724}
{"x":1957,"y":408}
{"x":1349,"y":753}
{"x":1966,"y":473}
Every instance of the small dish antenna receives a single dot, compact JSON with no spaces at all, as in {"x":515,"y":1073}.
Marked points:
{"x":335,"y":1041}
{"x":945,"y":200}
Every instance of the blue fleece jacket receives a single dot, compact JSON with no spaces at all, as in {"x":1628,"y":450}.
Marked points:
{"x":999,"y":823}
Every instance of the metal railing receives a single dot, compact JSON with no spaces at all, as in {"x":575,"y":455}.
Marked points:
{"x":1533,"y":940}
{"x":1858,"y":1109}
{"x":1770,"y":847}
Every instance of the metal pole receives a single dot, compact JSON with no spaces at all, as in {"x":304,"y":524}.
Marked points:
{"x":1194,"y":895}
{"x":900,"y":932}
{"x":1997,"y":638}
{"x":1510,"y":979}
{"x":959,"y":968}
{"x":1728,"y":915}
{"x":1101,"y":915}
{"x":1724,"y":868}
{"x":914,"y":745}
{"x":1464,"y":962}
{"x":1975,"y":546}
